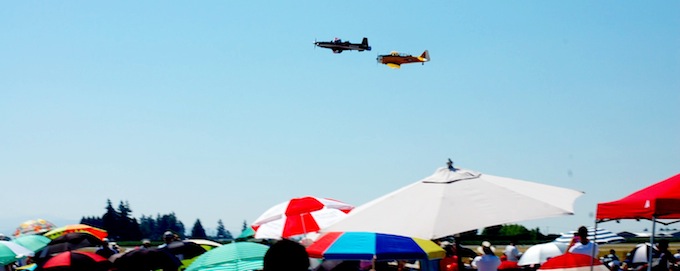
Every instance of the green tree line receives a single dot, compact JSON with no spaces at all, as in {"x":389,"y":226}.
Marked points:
{"x":121,"y":225}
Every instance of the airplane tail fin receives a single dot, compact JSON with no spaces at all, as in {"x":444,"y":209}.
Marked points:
{"x":364,"y":43}
{"x":425,"y":56}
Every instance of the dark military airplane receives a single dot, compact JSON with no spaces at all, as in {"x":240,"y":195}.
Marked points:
{"x":338,"y":45}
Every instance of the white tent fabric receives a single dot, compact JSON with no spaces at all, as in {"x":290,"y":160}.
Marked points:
{"x":538,"y":254}
{"x":601,"y":236}
{"x":455,"y":201}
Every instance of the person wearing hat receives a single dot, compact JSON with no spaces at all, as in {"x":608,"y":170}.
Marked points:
{"x":488,"y":261}
{"x":105,"y":251}
{"x":146,"y":243}
{"x":168,"y":237}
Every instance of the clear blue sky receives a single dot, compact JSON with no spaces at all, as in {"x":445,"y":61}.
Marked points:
{"x":222,"y":109}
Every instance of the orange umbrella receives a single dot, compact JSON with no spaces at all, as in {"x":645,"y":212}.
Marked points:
{"x":76,"y":228}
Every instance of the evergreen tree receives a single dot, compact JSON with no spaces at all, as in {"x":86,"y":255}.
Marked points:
{"x":221,"y":231}
{"x":161,"y":226}
{"x":123,"y":220}
{"x":228,"y":236}
{"x":110,"y":221}
{"x":92,"y":221}
{"x":128,"y":225}
{"x":169,"y":222}
{"x":147,"y":226}
{"x":197,"y":231}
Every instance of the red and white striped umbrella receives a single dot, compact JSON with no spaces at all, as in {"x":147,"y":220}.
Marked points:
{"x":299,"y":216}
{"x":573,"y":262}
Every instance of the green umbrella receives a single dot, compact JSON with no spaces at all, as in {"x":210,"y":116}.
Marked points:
{"x":248,"y":232}
{"x":32,"y":242}
{"x":239,"y":256}
{"x":10,"y":252}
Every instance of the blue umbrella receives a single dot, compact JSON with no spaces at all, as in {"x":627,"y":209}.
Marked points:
{"x":369,"y":245}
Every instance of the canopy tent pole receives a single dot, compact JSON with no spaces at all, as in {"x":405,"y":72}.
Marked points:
{"x":592,"y":250}
{"x":651,"y":244}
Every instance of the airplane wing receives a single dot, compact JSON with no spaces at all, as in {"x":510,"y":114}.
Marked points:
{"x":393,"y":65}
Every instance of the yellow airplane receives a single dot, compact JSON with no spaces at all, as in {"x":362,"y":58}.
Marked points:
{"x":395,"y":59}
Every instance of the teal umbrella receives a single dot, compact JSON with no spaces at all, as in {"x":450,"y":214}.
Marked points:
{"x":239,"y":256}
{"x":32,"y":242}
{"x":247,"y":233}
{"x":10,"y":252}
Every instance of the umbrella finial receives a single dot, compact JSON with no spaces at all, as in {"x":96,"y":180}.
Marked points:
{"x":450,"y":164}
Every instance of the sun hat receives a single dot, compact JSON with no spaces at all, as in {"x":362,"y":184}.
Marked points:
{"x":480,"y":249}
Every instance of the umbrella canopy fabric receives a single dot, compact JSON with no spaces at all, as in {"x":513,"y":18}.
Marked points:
{"x":70,"y":241}
{"x":660,"y":200}
{"x":77,"y":261}
{"x":640,"y":253}
{"x":246,"y":233}
{"x":207,"y":244}
{"x":76,"y":228}
{"x":144,"y":259}
{"x":538,"y":254}
{"x":369,"y":246}
{"x":299,"y":216}
{"x":601,"y":236}
{"x":187,"y":249}
{"x":440,"y":204}
{"x":36,"y":226}
{"x":32,"y":242}
{"x":9,"y":251}
{"x":239,"y":256}
{"x":573,"y":262}
{"x":508,"y":265}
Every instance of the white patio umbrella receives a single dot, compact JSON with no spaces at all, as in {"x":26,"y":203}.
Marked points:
{"x":640,"y":253}
{"x":457,"y":200}
{"x":538,"y":254}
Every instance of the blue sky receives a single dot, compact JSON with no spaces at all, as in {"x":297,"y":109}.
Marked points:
{"x":222,"y":109}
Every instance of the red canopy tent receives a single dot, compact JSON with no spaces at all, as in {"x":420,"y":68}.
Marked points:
{"x":658,"y":201}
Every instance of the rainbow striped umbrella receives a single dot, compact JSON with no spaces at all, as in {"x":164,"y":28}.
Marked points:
{"x":37,"y":226}
{"x":369,"y":246}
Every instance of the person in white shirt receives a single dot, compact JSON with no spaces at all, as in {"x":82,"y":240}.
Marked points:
{"x":582,"y":245}
{"x":511,"y":252}
{"x":488,"y":261}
